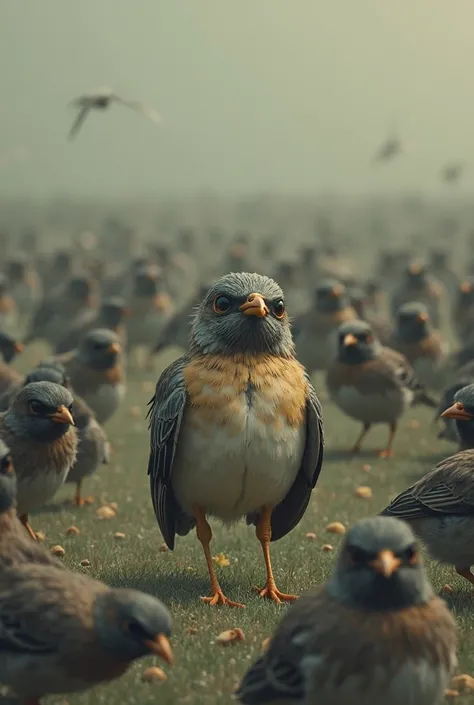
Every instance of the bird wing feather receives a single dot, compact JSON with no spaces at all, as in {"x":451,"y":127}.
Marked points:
{"x":81,"y":116}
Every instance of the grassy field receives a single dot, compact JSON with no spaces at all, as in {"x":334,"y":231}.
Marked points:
{"x":205,"y":672}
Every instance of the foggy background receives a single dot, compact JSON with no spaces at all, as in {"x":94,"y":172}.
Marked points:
{"x":285,"y":95}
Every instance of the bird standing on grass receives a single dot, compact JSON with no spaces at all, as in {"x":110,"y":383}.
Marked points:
{"x":375,"y":634}
{"x":236,"y":427}
{"x":62,"y":632}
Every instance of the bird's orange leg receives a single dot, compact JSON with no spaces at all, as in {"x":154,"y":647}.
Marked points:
{"x":357,"y":445}
{"x":388,"y":451}
{"x":264,"y":535}
{"x":79,"y":500}
{"x":204,"y":534}
{"x":465,"y":573}
{"x":24,"y":520}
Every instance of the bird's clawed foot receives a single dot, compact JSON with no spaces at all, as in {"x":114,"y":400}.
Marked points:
{"x":271,"y":592}
{"x":218,"y":598}
{"x":83,"y":501}
{"x":386,"y":453}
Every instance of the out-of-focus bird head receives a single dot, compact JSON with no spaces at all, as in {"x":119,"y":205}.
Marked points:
{"x":130,"y":624}
{"x":380,"y":568}
{"x":357,"y":343}
{"x":242,"y":313}
{"x":330,"y":296}
{"x":80,"y":289}
{"x":186,"y":239}
{"x":99,"y":349}
{"x":413,"y":322}
{"x":48,"y":372}
{"x":148,"y":281}
{"x":7,"y":479}
{"x":439,"y":259}
{"x":462,"y":411}
{"x":16,"y":268}
{"x":113,"y":311}
{"x":9,"y":347}
{"x":357,"y":299}
{"x":416,"y":273}
{"x":63,"y":262}
{"x":41,"y":411}
{"x":465,"y":298}
{"x":4,"y":284}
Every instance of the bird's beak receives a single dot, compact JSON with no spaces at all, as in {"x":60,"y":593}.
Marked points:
{"x":465,"y":287}
{"x":415,"y":268}
{"x":255,"y":306}
{"x":336,"y":292}
{"x":161,"y":647}
{"x":349,"y":340}
{"x":62,"y":415}
{"x":386,"y":563}
{"x":18,"y":347}
{"x":457,"y":411}
{"x":126,"y":311}
{"x":422,"y":317}
{"x":114,"y":348}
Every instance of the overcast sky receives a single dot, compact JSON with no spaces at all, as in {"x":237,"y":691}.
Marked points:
{"x":288,"y":95}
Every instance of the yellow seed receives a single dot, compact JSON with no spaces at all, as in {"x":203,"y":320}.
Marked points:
{"x":191,"y":630}
{"x":310,"y":535}
{"x":221,"y":560}
{"x":364,"y":492}
{"x":230,"y":636}
{"x":463,"y":682}
{"x":266,"y":643}
{"x":40,"y":536}
{"x":451,"y":693}
{"x":336,"y":527}
{"x":58,"y":551}
{"x":448,"y":589}
{"x":367,"y":467}
{"x":327,"y":547}
{"x":72,"y":531}
{"x":106,"y":512}
{"x":119,"y":536}
{"x":113,"y":505}
{"x":153,"y":674}
{"x":85,"y":563}
{"x":163,"y":548}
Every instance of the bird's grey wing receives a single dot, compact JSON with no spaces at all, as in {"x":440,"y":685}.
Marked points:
{"x":139,"y":108}
{"x":289,"y":512}
{"x":81,"y":116}
{"x":166,"y":414}
{"x":17,"y":636}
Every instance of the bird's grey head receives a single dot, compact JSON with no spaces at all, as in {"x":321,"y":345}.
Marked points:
{"x":100,"y":349}
{"x":462,"y":411}
{"x":466,"y":293}
{"x":416,"y":273}
{"x":9,"y":347}
{"x":48,"y":373}
{"x":242,"y":314}
{"x":113,"y":311}
{"x":41,"y":411}
{"x":80,"y":288}
{"x":330,"y":296}
{"x":130,"y":624}
{"x":379,"y":568}
{"x":357,"y":343}
{"x":413,"y":322}
{"x":7,"y":479}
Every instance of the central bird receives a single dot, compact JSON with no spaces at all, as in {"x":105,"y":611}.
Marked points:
{"x":236,"y":426}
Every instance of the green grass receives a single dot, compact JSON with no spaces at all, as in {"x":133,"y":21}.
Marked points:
{"x":205,"y":672}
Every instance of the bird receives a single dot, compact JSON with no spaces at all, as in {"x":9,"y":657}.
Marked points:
{"x":380,"y":324}
{"x":374,"y":633}
{"x":101,"y":99}
{"x":418,"y":284}
{"x":236,"y":427}
{"x":111,"y":314}
{"x":39,"y":430}
{"x":9,"y":312}
{"x":389,"y":149}
{"x":95,"y":372}
{"x":9,"y":349}
{"x":424,"y":348}
{"x":176,"y":330}
{"x":460,"y":410}
{"x":315,"y":331}
{"x":371,"y":383}
{"x":25,"y":284}
{"x":463,"y":311}
{"x":44,"y":372}
{"x":449,"y":430}
{"x":63,"y":632}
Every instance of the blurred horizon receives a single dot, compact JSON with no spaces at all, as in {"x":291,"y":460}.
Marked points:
{"x":267,"y":96}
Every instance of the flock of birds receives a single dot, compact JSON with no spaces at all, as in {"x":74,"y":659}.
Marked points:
{"x":236,"y":431}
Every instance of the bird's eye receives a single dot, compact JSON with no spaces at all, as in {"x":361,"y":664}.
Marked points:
{"x":6,"y":464}
{"x":279,"y":309}
{"x":36,"y":407}
{"x":357,"y":555}
{"x":222,"y":304}
{"x":97,"y":346}
{"x":411,"y":554}
{"x":135,"y":629}
{"x":369,"y":338}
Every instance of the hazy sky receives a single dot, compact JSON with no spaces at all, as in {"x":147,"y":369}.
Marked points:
{"x":255,"y":94}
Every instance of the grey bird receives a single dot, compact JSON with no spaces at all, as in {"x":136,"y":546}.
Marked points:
{"x":62,"y":632}
{"x":388,"y":150}
{"x":456,"y":409}
{"x":101,"y":99}
{"x":236,"y":427}
{"x":375,"y":633}
{"x":39,"y":430}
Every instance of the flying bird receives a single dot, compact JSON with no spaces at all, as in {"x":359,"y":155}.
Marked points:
{"x":101,"y":99}
{"x":388,"y":150}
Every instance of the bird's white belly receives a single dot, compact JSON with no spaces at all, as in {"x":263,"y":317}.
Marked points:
{"x":372,"y":408}
{"x":449,"y":539}
{"x":105,"y":400}
{"x":231,"y":474}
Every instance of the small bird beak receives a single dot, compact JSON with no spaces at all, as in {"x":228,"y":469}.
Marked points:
{"x":126,"y":311}
{"x":114,"y":348}
{"x":386,"y":563}
{"x":161,"y":647}
{"x":255,"y":306}
{"x":336,"y":292}
{"x":422,"y":317}
{"x":457,"y":411}
{"x":18,"y":347}
{"x":466,"y":288}
{"x":415,"y":268}
{"x":62,"y":415}
{"x":349,"y":340}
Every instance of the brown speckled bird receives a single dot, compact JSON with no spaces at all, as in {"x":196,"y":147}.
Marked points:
{"x":374,"y":634}
{"x":96,"y":373}
{"x":315,"y":332}
{"x":236,"y":427}
{"x":370,"y":383}
{"x":38,"y":429}
{"x":63,"y":632}
{"x":111,"y":315}
{"x":424,"y":348}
